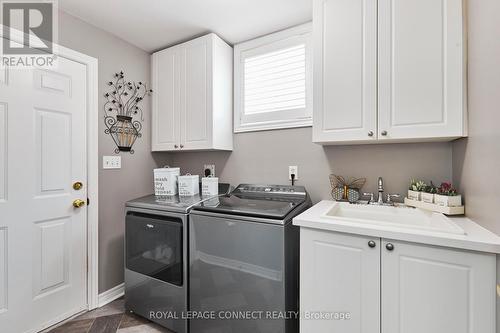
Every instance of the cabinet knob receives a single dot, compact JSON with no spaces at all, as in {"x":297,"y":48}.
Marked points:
{"x":370,"y":133}
{"x":182,"y":146}
{"x":384,"y":133}
{"x":372,"y":244}
{"x":389,"y":246}
{"x":176,"y":146}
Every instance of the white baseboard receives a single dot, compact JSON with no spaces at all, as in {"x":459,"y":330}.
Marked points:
{"x":110,"y":295}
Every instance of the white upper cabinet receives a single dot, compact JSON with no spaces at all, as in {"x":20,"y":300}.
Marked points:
{"x":345,"y":70}
{"x":166,"y":99}
{"x":404,"y":83}
{"x":421,"y":69}
{"x":192,"y":96}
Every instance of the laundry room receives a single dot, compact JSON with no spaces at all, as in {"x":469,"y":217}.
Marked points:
{"x":277,"y":166}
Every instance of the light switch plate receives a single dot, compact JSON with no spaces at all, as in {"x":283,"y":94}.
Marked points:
{"x":111,"y":162}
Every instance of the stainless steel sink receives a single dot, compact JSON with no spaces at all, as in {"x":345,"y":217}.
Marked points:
{"x":395,"y":216}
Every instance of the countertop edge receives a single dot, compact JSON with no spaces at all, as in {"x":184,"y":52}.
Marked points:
{"x":477,"y":238}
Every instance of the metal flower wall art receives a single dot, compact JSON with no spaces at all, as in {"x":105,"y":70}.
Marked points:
{"x":123,"y":114}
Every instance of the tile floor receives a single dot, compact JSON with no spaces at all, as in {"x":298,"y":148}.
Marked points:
{"x":110,"y":318}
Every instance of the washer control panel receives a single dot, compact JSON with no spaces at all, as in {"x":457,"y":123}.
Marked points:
{"x":271,"y":189}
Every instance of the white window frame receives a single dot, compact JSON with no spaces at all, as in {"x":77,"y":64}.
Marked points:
{"x":279,"y":40}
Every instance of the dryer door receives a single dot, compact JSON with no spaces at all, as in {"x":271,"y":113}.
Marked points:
{"x":154,"y":246}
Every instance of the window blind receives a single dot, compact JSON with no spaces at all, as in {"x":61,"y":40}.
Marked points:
{"x":275,"y":81}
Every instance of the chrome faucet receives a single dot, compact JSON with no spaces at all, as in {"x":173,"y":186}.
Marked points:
{"x":380,"y":200}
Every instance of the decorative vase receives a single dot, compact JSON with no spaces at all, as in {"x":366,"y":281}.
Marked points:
{"x":414,"y":195}
{"x":428,"y":197}
{"x":124,"y":132}
{"x":448,"y":201}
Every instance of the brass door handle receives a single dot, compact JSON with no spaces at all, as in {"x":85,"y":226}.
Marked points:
{"x":78,"y":203}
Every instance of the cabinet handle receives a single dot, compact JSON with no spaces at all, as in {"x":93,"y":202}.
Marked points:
{"x":176,"y":146}
{"x":384,"y":133}
{"x":372,"y":244}
{"x":389,"y":246}
{"x":370,"y":133}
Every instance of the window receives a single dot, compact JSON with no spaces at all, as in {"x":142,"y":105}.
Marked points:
{"x":273,"y":81}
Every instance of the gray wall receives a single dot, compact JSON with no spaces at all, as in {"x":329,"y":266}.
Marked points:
{"x":135,"y":177}
{"x":264,"y":157}
{"x":476,"y":159}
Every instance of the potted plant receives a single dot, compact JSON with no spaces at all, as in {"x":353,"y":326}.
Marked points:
{"x":447,"y":196}
{"x":428,"y":193}
{"x":415,"y":189}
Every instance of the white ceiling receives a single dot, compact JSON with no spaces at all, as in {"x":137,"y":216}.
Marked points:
{"x":155,"y":24}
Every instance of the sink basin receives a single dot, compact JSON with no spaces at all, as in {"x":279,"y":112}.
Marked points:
{"x":394,"y":216}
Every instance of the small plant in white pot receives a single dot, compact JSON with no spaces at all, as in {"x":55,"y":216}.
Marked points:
{"x":428,"y":193}
{"x":415,"y":189}
{"x":447,"y":196}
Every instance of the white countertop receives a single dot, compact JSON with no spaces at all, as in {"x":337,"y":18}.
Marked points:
{"x":476,"y":238}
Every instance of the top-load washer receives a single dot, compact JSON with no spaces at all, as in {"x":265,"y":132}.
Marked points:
{"x":244,"y":260}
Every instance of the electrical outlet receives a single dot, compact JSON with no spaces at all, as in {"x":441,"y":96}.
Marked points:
{"x":210,"y":167}
{"x":111,"y":162}
{"x":295,"y":170}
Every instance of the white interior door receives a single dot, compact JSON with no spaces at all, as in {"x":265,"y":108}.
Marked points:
{"x":43,"y":261}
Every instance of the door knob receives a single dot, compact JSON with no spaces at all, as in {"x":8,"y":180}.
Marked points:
{"x":372,"y":244}
{"x":77,"y":186}
{"x":78,"y":203}
{"x":389,"y":246}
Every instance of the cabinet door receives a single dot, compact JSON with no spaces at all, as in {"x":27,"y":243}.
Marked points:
{"x":339,"y":274}
{"x":166,"y":100}
{"x":421,"y":69}
{"x":345,"y":71}
{"x":437,"y":290}
{"x":196,"y":94}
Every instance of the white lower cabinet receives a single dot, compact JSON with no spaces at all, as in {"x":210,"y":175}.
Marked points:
{"x":376,"y":285}
{"x":437,"y":290}
{"x":339,"y":275}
